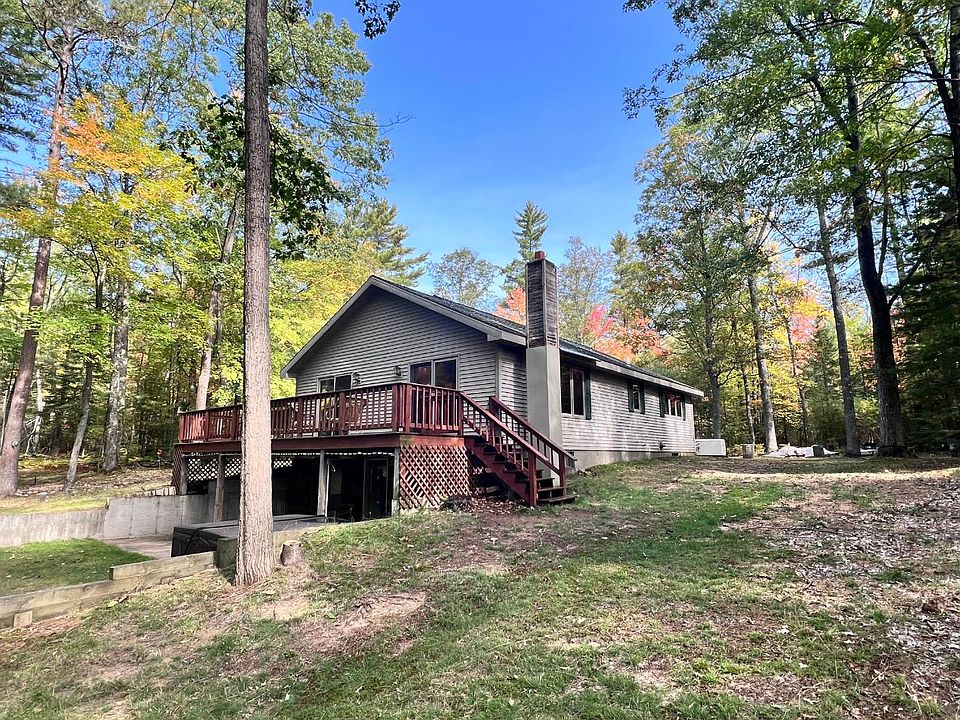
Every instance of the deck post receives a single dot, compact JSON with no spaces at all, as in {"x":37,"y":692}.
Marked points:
{"x":323,"y":486}
{"x":395,"y":414}
{"x":218,"y":492}
{"x":395,"y":502}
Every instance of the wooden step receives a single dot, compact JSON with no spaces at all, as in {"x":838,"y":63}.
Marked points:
{"x":557,"y":499}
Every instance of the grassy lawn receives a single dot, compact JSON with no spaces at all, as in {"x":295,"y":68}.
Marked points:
{"x":39,"y":565}
{"x":672,"y":589}
{"x":41,"y":487}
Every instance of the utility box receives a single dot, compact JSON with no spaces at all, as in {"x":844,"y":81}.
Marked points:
{"x":714,"y":447}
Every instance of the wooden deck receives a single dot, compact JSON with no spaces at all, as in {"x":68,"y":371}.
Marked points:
{"x":392,"y":408}
{"x":395,"y":415}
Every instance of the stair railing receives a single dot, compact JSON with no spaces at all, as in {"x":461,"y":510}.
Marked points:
{"x":519,"y":424}
{"x":509,"y":443}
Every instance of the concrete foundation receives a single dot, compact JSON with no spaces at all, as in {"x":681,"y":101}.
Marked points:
{"x":589,"y":458}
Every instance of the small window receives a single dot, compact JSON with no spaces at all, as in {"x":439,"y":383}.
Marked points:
{"x":673,"y":404}
{"x":636,"y":400}
{"x":334,"y":384}
{"x":573,"y":390}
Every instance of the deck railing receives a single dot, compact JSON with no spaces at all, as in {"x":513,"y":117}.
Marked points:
{"x":392,"y":407}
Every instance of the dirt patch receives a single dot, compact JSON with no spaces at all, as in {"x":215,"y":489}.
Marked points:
{"x":781,"y":689}
{"x":15,"y":639}
{"x":887,"y":542}
{"x":654,"y":674}
{"x":368,"y":617}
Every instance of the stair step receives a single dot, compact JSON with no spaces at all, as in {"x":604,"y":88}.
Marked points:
{"x":556,"y":499}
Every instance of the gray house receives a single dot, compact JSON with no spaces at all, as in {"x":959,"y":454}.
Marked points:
{"x":409,"y":398}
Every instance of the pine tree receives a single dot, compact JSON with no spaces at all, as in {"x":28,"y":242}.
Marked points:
{"x":376,"y":225}
{"x":531,"y":227}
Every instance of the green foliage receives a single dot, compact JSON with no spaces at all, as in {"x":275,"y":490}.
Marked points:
{"x":584,"y":282}
{"x":375,"y":226}
{"x":531,"y":224}
{"x":465,"y":277}
{"x":20,"y":75}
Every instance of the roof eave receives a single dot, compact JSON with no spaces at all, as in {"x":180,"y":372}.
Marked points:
{"x":639,"y":374}
{"x":492,"y":333}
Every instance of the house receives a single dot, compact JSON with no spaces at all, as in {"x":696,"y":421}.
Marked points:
{"x":404,"y":400}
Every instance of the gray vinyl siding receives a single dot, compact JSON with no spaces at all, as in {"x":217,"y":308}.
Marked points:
{"x":613,"y":428}
{"x":385,"y":331}
{"x":513,"y":379}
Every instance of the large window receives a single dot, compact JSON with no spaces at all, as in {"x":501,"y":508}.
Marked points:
{"x":574,"y":392}
{"x":334,"y":384}
{"x":439,"y":373}
{"x":636,"y":400}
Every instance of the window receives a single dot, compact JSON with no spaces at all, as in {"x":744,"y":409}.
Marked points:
{"x":334,"y":384}
{"x":672,"y":404}
{"x":574,"y":392}
{"x":439,"y":373}
{"x":445,"y":373}
{"x":635,"y":398}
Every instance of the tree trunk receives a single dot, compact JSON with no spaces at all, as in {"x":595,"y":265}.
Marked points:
{"x":801,"y":395}
{"x":888,"y":386}
{"x":214,"y":310}
{"x":117,"y":398}
{"x":751,"y":435}
{"x":13,"y":430}
{"x":794,"y":369}
{"x":33,"y":437}
{"x":255,"y":541}
{"x":843,"y":353}
{"x":71,"y":479}
{"x":713,"y":375}
{"x":766,"y":397}
{"x":747,"y":406}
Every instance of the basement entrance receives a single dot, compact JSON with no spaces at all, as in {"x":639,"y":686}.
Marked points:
{"x":360,"y":487}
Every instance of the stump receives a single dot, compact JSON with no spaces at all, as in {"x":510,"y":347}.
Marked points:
{"x":291,"y":554}
{"x":749,"y":450}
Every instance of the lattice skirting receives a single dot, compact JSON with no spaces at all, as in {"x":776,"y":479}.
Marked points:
{"x":430,"y":475}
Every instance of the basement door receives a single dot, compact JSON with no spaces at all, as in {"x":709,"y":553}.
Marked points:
{"x":360,"y":487}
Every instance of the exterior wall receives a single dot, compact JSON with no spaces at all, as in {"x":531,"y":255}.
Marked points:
{"x":387,"y":331}
{"x":513,"y":379}
{"x":614,"y":433}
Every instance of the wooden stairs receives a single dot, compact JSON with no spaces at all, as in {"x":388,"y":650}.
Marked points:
{"x":525,"y":462}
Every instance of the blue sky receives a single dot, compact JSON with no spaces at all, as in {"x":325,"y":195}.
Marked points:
{"x":510,"y":101}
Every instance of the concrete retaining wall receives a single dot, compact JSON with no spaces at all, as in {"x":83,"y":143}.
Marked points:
{"x":122,"y":518}
{"x":36,"y":527}
{"x":144,"y":516}
{"x":24,"y":608}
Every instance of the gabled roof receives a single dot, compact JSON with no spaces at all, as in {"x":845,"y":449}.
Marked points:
{"x":495,"y":327}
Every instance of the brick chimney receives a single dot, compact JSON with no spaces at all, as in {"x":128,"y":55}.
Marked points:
{"x":543,"y":347}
